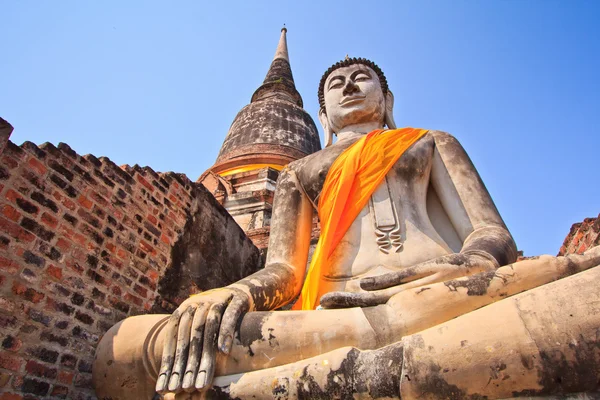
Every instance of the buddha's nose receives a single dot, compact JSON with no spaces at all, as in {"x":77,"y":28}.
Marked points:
{"x":350,"y":88}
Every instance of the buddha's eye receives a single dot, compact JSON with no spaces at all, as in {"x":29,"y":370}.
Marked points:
{"x":335,"y":83}
{"x":361,"y":77}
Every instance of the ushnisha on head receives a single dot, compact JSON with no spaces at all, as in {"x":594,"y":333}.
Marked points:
{"x":354,"y":91}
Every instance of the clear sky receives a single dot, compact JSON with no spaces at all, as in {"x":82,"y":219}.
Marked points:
{"x":158,"y":83}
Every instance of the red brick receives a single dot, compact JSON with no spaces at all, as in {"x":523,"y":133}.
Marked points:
{"x":165,"y":239}
{"x":140,"y":290}
{"x":63,"y":244}
{"x":10,"y":396}
{"x":153,"y":275}
{"x":99,"y":199}
{"x":54,"y":271}
{"x":10,"y":212}
{"x":64,"y":201}
{"x":37,"y":166}
{"x":144,"y":182}
{"x":35,"y":368}
{"x":9,"y":162}
{"x":49,"y":220}
{"x":11,"y":362}
{"x":74,"y":266}
{"x":65,"y":377}
{"x":132,"y":299}
{"x":60,"y":392}
{"x":85,"y":202}
{"x":79,"y":239}
{"x":152,"y":219}
{"x":28,"y":294}
{"x":12,"y":195}
{"x":16,"y":231}
{"x":110,"y":247}
{"x":147,"y":247}
{"x":8,"y":266}
{"x":122,"y":254}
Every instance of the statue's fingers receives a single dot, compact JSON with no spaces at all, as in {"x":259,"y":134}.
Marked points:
{"x":196,"y":339}
{"x":395,"y":278}
{"x":236,"y":308}
{"x":206,"y":370}
{"x":183,"y":348}
{"x":348,"y":299}
{"x":168,"y":352}
{"x":428,"y":280}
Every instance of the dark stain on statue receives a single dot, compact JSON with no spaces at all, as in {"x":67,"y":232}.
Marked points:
{"x":251,"y":329}
{"x":340,"y":382}
{"x":476,"y":285}
{"x":527,"y":362}
{"x":281,"y":389}
{"x":576,"y":371}
{"x":272,"y":339}
{"x":219,"y":393}
{"x":378,"y":372}
{"x":571,"y":268}
{"x":436,"y":386}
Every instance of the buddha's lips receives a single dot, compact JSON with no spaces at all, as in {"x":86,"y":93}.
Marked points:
{"x":352,"y":100}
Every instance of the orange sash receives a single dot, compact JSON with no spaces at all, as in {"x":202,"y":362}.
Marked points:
{"x":351,"y":180}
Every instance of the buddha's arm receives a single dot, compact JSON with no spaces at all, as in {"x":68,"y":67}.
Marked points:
{"x":468,"y":204}
{"x":282,"y":278}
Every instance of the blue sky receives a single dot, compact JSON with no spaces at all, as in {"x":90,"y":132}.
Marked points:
{"x":158,"y":83}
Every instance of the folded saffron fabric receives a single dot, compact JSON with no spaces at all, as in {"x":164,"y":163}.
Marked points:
{"x":351,"y":180}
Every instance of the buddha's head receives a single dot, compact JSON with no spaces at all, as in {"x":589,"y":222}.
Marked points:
{"x":354,"y":91}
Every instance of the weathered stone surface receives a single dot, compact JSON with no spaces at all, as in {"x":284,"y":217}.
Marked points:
{"x":273,"y":128}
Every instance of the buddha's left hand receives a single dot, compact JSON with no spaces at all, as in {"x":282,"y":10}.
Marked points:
{"x":379,"y":289}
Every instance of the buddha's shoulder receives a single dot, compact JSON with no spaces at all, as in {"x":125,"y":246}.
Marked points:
{"x":320,"y":161}
{"x":440,"y":136}
{"x":312,"y":170}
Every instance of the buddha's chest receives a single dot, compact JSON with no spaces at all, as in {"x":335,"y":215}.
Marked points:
{"x":412,"y":168}
{"x":393,"y":229}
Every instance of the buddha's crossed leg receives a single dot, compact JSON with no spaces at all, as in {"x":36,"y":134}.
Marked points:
{"x":129,"y":355}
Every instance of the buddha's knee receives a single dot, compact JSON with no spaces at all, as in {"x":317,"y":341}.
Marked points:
{"x":128,"y":358}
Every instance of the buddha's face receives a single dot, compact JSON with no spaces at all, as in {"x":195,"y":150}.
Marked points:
{"x":353,"y":95}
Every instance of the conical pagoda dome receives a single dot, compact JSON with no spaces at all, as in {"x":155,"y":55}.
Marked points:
{"x":273,"y":129}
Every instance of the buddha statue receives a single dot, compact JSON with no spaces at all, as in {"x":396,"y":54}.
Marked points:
{"x":415,"y":281}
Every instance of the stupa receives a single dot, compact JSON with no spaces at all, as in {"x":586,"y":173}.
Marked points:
{"x":267,"y":134}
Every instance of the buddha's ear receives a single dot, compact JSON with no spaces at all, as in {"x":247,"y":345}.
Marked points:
{"x":326,"y":128}
{"x":389,"y":110}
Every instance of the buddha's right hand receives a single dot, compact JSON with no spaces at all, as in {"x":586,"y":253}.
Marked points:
{"x":195,"y":329}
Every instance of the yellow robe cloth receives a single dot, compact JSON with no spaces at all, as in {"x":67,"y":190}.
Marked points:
{"x":351,"y":180}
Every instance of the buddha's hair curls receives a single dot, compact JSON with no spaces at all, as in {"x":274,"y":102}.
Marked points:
{"x":346,"y":63}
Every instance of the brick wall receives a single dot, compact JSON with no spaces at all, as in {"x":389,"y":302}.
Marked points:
{"x":582,"y":236}
{"x":83,"y":244}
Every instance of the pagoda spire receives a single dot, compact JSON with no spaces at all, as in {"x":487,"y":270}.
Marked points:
{"x":279,"y":81}
{"x":282,"y":50}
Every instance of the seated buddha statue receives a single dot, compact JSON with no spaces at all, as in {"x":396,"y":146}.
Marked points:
{"x":410,"y":239}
